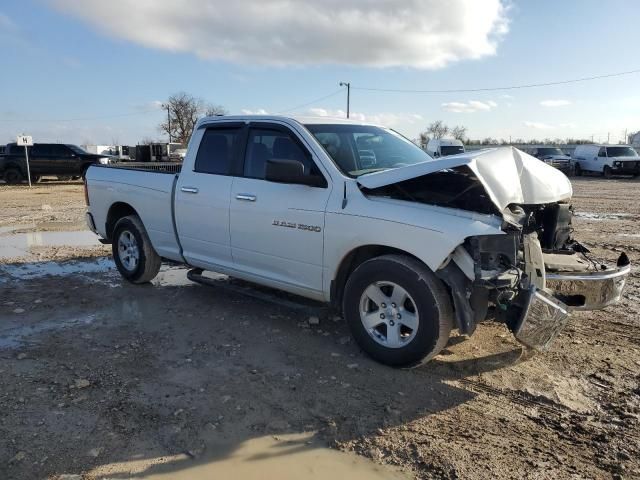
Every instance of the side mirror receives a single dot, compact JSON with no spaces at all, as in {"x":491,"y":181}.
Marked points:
{"x":291,"y":171}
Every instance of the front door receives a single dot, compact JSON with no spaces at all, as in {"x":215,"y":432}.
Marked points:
{"x":277,"y":229}
{"x":202,"y":196}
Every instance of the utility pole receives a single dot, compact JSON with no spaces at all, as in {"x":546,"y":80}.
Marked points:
{"x":348,"y":85}
{"x":168,"y":107}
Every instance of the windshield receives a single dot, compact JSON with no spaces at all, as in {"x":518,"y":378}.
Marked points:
{"x":550,"y":151}
{"x":451,"y":150}
{"x":621,"y":152}
{"x":361,"y":149}
{"x":76,"y":149}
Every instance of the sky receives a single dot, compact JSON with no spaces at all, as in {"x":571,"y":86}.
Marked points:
{"x":97,"y":72}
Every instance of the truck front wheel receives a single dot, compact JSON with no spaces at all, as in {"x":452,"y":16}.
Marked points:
{"x":398,"y":311}
{"x":133,"y":253}
{"x":606,"y":171}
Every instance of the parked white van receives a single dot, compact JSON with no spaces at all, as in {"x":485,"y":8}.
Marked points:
{"x":606,"y":159}
{"x":443,"y":147}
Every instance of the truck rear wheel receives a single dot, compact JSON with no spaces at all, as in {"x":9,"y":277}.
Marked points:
{"x":13,"y":176}
{"x":398,"y":311}
{"x":133,"y":253}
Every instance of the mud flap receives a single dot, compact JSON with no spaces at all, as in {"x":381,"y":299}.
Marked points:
{"x":543,"y":317}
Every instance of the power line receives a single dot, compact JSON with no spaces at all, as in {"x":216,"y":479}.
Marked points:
{"x":298,"y":107}
{"x":493,"y":89}
{"x":143,"y":112}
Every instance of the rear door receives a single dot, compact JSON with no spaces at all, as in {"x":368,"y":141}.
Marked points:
{"x":277,"y":229}
{"x":202,"y":195}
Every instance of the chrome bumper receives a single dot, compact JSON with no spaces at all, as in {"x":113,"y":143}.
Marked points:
{"x":543,"y":317}
{"x":591,"y":290}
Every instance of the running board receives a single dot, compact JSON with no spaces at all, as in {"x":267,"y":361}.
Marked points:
{"x":195,"y":275}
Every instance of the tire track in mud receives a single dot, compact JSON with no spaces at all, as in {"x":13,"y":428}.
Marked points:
{"x":567,"y":422}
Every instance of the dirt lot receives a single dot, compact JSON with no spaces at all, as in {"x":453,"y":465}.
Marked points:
{"x":102,"y":379}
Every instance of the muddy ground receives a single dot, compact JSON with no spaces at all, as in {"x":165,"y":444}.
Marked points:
{"x":102,"y":379}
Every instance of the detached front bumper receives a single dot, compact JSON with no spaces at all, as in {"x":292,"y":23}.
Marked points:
{"x":589,"y":290}
{"x":544,"y":313}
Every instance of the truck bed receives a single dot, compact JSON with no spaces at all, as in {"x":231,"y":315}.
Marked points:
{"x":148,"y":192}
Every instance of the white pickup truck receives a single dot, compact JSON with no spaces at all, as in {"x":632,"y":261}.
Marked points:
{"x":407,"y":247}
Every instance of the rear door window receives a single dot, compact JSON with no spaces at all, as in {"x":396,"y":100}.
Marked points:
{"x":216,"y":150}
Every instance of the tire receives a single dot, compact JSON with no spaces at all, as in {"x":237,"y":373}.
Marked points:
{"x":426,"y":303}
{"x":577,"y":170}
{"x":133,"y":253}
{"x":606,"y":171}
{"x":13,"y":176}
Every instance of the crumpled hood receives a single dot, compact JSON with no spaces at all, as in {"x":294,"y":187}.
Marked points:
{"x":508,"y":175}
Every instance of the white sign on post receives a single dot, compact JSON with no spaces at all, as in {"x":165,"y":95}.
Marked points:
{"x":26,"y":141}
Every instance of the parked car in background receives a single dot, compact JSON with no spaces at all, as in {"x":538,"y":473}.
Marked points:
{"x":606,"y":159}
{"x":61,"y":160}
{"x":443,"y":147}
{"x":553,"y":156}
{"x":354,"y":214}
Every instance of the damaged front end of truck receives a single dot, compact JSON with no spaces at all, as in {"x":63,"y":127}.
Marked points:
{"x":533,"y":274}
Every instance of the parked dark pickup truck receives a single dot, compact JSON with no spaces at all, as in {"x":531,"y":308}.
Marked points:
{"x":63,"y":161}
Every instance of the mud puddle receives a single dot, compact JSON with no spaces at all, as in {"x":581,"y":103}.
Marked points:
{"x":28,"y":271}
{"x":19,"y":336}
{"x":18,"y":245}
{"x":272,"y":457}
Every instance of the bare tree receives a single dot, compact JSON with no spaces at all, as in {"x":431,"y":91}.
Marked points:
{"x":437,"y":129}
{"x":213,"y":110}
{"x":459,"y":133}
{"x":424,"y":139}
{"x":183,"y":112}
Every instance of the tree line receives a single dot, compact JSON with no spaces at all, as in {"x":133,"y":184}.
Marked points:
{"x":438,"y":129}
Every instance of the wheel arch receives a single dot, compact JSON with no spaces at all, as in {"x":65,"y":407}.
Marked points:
{"x":117,"y":211}
{"x":355,"y":258}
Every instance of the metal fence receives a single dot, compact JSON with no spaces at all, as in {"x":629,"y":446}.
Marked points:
{"x":161,"y":167}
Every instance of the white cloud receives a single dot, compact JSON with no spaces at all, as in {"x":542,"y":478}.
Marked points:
{"x":7,"y":24}
{"x":469,"y":107}
{"x":538,"y":125}
{"x":547,"y":126}
{"x":381,"y":33}
{"x":555,"y":103}
{"x":385,"y":119}
{"x":260,"y":111}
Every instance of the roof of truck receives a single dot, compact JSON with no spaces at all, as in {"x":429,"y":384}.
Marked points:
{"x":304,"y":120}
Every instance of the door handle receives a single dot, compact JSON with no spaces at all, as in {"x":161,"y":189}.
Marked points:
{"x":189,"y":189}
{"x":246,"y":197}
